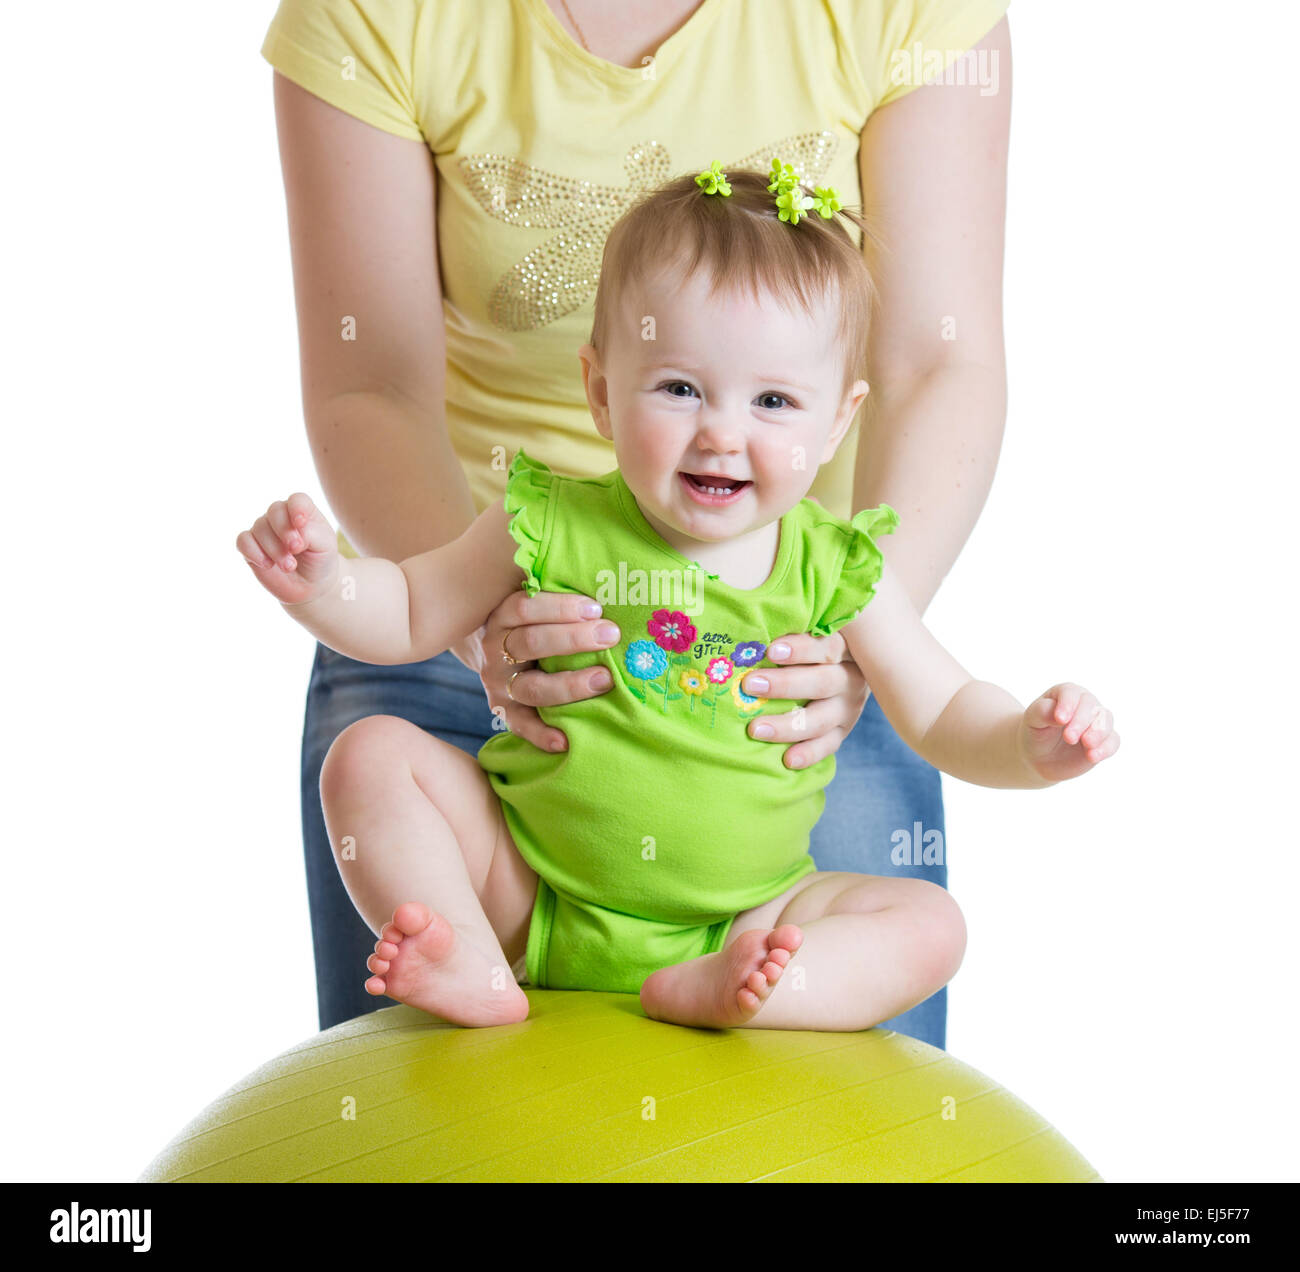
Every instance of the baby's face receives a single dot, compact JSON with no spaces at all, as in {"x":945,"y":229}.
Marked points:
{"x":739,"y":395}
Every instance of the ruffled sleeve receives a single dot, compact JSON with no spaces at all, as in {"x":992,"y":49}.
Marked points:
{"x":863,"y":565}
{"x":527,"y":498}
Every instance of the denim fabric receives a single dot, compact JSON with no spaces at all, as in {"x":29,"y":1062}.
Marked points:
{"x":882,"y":801}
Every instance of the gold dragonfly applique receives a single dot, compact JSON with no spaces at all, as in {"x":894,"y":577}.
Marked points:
{"x":558,"y":276}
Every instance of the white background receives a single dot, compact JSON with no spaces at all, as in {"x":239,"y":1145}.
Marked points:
{"x":1129,"y":969}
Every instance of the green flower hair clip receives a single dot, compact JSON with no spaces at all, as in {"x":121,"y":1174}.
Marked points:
{"x":826,"y":200}
{"x":782,"y":176}
{"x":713,"y":180}
{"x":792,"y":203}
{"x":791,"y":200}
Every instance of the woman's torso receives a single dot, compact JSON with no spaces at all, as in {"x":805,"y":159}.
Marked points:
{"x":541,"y":144}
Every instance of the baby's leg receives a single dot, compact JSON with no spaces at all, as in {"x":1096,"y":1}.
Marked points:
{"x":836,"y":951}
{"x":419,"y":837}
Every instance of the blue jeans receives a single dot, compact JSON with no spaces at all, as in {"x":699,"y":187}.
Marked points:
{"x":883,"y":800}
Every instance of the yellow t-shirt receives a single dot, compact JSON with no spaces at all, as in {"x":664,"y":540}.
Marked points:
{"x":540,"y":146}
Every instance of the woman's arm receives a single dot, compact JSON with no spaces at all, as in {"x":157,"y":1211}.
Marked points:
{"x":934,"y":173}
{"x":933,"y":168}
{"x":363,"y":237}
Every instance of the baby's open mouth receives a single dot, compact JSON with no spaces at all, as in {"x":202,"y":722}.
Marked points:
{"x":714,"y":484}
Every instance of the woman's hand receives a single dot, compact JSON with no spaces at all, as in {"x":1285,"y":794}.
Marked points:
{"x":542,"y":626}
{"x":820,"y":669}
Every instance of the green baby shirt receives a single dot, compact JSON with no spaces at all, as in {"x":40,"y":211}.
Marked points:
{"x":663,"y":806}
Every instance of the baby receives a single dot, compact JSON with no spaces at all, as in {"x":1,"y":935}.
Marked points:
{"x":664,"y":850}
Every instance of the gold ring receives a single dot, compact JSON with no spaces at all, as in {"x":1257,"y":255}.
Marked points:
{"x":508,"y":684}
{"x":505,"y":653}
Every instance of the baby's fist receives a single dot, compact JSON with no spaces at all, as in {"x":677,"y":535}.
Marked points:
{"x":1066,"y":732}
{"x":292,"y":550}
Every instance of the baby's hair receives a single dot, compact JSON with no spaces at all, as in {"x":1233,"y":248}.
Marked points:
{"x":743,"y":244}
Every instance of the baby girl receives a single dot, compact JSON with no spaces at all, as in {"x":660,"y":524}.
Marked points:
{"x":664,"y":850}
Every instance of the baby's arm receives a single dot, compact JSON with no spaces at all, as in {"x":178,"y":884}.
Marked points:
{"x":963,"y":726}
{"x":380,"y":611}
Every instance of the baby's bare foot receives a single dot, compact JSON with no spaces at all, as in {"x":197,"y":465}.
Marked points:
{"x":421,"y":960}
{"x":726,"y":989}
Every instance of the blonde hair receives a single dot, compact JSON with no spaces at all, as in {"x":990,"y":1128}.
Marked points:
{"x":743,"y":244}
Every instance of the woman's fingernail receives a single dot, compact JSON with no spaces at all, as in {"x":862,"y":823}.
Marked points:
{"x":762,"y":730}
{"x":780,"y":650}
{"x":607,"y":633}
{"x":590,"y":610}
{"x":556,"y":744}
{"x":600,"y":680}
{"x":757,"y":684}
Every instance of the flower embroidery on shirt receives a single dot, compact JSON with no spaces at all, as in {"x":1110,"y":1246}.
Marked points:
{"x":671,"y":630}
{"x":692,"y":682}
{"x":653,"y":663}
{"x":719,"y":670}
{"x":645,"y":660}
{"x":746,"y":703}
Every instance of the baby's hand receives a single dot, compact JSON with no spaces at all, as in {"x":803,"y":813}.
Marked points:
{"x":292,"y":550}
{"x":1066,"y":732}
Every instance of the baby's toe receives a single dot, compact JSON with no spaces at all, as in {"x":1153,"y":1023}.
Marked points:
{"x":787,"y":937}
{"x":377,"y":964}
{"x":386,"y":949}
{"x":376,"y":985}
{"x":411,"y":917}
{"x":392,"y":934}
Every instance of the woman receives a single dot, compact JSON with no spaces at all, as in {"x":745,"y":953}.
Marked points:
{"x":451,"y":168}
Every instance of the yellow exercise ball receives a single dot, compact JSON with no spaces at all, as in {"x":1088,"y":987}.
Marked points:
{"x":589,"y":1088}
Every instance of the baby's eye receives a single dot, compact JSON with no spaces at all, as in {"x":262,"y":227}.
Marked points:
{"x":680,"y":384}
{"x":765,"y":398}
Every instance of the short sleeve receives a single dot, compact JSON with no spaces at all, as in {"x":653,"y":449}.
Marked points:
{"x":863,"y":565}
{"x":358,"y":55}
{"x":528,"y":502}
{"x":920,"y":39}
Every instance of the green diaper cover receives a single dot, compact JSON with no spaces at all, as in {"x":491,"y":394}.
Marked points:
{"x":573,"y":944}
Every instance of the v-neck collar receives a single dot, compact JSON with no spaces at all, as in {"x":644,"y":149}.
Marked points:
{"x":691,"y":30}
